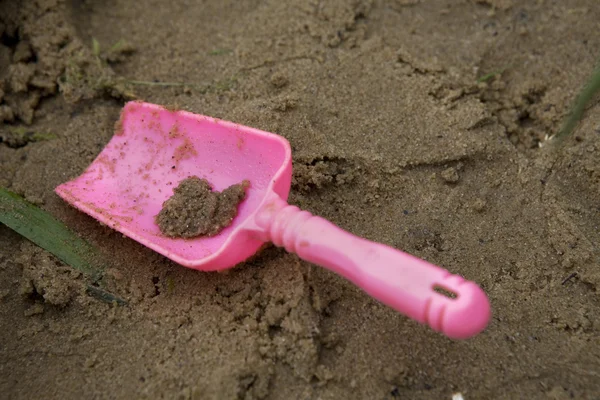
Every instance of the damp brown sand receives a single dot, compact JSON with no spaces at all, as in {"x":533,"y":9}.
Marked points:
{"x":394,"y":139}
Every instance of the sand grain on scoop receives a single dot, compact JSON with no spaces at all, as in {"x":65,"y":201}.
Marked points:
{"x":195,"y":210}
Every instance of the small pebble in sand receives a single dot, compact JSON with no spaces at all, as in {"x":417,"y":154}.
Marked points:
{"x":479,"y":205}
{"x":195,"y":210}
{"x":450,"y":175}
{"x":279,"y":80}
{"x":36,"y":309}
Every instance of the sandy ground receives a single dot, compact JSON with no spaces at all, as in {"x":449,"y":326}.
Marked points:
{"x":394,"y":139}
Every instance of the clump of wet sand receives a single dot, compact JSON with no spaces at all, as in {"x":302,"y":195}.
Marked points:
{"x":196,"y":210}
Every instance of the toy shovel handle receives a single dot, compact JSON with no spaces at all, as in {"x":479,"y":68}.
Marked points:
{"x":408,"y":284}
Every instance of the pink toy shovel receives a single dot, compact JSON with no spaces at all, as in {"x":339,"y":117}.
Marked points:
{"x":153,"y":149}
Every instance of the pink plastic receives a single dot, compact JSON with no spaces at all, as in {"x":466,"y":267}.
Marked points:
{"x":153,"y":149}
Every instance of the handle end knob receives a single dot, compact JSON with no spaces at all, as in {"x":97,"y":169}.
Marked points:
{"x":463,"y":317}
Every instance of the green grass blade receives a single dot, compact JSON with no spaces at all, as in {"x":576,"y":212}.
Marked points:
{"x":95,"y":47}
{"x":219,"y":52}
{"x":492,"y":74}
{"x":50,"y":234}
{"x":585,"y":96}
{"x":104,"y":296}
